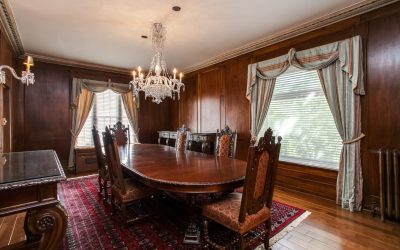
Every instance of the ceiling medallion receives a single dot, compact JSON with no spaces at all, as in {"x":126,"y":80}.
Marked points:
{"x":158,"y":84}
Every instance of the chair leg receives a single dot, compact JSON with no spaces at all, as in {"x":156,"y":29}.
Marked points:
{"x":241,"y":243}
{"x":112,"y":204}
{"x":267,"y":233}
{"x":100,"y":185}
{"x":124,"y":216}
{"x":105,"y":191}
{"x":205,"y":229}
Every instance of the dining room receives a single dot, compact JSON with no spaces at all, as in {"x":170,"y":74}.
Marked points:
{"x":199,"y":124}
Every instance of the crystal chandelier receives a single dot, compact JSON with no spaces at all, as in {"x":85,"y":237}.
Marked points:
{"x":158,"y":84}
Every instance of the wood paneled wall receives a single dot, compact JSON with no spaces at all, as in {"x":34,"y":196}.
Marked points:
{"x":43,"y":119}
{"x":7,"y":57}
{"x":215,"y":96}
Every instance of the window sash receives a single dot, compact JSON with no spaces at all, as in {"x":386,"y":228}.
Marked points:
{"x":300,"y":114}
{"x":107,"y":110}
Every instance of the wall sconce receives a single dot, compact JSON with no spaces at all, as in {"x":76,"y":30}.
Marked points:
{"x":27,"y":77}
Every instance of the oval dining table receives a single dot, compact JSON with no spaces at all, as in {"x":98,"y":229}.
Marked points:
{"x":165,"y":168}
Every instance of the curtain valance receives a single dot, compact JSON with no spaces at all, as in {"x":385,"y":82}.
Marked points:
{"x":346,"y":51}
{"x":96,"y":87}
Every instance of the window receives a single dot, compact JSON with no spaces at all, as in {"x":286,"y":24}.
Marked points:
{"x":300,"y":114}
{"x":107,"y":110}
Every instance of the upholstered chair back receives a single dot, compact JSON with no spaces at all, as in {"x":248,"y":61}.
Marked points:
{"x":121,"y":133}
{"x":181,"y":138}
{"x":262,"y":162}
{"x":225,"y":143}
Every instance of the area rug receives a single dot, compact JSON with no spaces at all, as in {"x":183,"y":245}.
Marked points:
{"x":91,"y":226}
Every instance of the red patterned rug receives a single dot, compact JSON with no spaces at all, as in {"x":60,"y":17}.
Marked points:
{"x":91,"y":226}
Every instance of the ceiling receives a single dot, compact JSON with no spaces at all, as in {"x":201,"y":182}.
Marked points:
{"x":109,"y":33}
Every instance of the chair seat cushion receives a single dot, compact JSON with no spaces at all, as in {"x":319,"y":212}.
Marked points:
{"x":226,"y":213}
{"x":134,"y":191}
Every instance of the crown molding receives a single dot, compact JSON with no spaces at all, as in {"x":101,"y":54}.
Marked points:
{"x":78,"y":64}
{"x":9,"y":27}
{"x":334,"y":17}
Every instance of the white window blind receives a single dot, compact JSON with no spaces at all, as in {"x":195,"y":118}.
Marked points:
{"x":107,"y":110}
{"x":300,"y":114}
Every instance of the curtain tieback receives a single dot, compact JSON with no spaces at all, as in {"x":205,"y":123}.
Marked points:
{"x":73,"y":134}
{"x":355,"y":139}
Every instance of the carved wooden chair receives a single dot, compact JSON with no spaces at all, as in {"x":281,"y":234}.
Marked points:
{"x":243,"y":213}
{"x":123,"y":190}
{"x":104,"y":176}
{"x":225,"y":143}
{"x":121,"y":133}
{"x":181,"y":138}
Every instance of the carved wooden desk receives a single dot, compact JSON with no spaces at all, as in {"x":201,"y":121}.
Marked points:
{"x":28,"y":182}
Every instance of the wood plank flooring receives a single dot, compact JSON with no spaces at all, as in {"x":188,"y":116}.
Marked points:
{"x":328,"y":227}
{"x":12,"y":230}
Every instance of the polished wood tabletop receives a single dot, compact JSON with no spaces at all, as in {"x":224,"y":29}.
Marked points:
{"x":164,"y":168}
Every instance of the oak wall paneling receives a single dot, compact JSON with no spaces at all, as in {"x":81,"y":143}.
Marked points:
{"x":188,"y":105}
{"x":380,"y":32}
{"x":7,"y":57}
{"x":44,"y":118}
{"x":211,"y":98}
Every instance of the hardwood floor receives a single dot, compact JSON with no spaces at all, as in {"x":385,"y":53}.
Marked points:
{"x":327,"y":227}
{"x":330,"y":227}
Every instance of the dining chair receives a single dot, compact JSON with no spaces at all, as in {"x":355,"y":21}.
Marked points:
{"x":225,"y":143}
{"x":181,"y":138}
{"x":121,"y":133}
{"x":242,"y":213}
{"x":123,"y":190}
{"x":104,"y":176}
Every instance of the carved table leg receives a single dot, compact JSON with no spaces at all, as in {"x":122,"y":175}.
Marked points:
{"x":192,"y":234}
{"x":159,"y":140}
{"x":50,"y":223}
{"x":167,"y":142}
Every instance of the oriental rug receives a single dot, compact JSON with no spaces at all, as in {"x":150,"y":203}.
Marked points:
{"x":91,"y":225}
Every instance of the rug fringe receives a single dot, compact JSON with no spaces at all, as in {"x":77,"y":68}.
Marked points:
{"x":286,"y":230}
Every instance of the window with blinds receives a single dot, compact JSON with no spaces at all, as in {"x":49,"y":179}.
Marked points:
{"x":300,"y":114}
{"x":107,"y":110}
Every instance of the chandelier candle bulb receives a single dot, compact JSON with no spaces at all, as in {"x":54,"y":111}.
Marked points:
{"x":180,"y":76}
{"x":174,"y":73}
{"x":28,"y":63}
{"x":134,"y":75}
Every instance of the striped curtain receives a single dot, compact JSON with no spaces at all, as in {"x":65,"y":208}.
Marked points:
{"x":339,"y":66}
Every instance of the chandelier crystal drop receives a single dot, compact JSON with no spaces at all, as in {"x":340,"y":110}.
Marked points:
{"x":158,"y":84}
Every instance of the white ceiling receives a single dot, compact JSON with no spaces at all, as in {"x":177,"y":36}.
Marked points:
{"x":108,"y":32}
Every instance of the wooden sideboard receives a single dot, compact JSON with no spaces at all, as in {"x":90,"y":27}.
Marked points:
{"x":28,"y":183}
{"x":167,"y":138}
{"x":85,"y":159}
{"x":200,"y":142}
